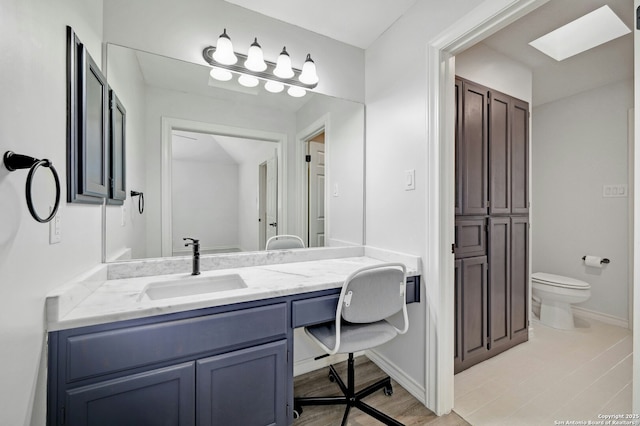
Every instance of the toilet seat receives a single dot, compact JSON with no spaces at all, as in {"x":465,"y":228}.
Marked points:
{"x":559,"y":281}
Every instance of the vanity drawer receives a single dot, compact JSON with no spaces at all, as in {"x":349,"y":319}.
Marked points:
{"x":104,"y":352}
{"x":316,"y":310}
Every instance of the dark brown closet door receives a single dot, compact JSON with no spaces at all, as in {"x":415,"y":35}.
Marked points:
{"x":499,"y":281}
{"x":458,"y":148}
{"x":474,"y":149}
{"x":519,"y":279}
{"x":499,"y":154}
{"x":519,"y":157}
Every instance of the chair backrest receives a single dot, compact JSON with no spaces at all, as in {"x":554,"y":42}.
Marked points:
{"x":281,"y":242}
{"x":374,"y":293}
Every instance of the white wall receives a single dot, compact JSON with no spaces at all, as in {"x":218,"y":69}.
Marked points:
{"x":181,"y":29}
{"x":580,"y":144}
{"x":204,"y":204}
{"x":636,"y":219}
{"x":344,"y":138}
{"x":126,"y":80}
{"x":397,"y":141}
{"x":33,"y":122}
{"x":485,"y":66}
{"x":248,"y":192}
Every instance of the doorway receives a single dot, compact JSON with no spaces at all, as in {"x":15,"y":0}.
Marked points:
{"x":267,"y":201}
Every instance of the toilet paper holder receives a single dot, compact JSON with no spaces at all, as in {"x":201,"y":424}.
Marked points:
{"x":604,"y":260}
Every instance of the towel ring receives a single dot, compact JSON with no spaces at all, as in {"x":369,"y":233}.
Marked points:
{"x":140,"y":200}
{"x":14,"y":162}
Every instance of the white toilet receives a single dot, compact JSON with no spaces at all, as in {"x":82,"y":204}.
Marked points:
{"x":556,"y":294}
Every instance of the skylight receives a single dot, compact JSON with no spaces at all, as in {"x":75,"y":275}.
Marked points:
{"x":591,"y":30}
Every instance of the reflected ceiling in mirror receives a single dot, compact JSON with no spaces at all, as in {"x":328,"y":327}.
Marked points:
{"x":165,"y":97}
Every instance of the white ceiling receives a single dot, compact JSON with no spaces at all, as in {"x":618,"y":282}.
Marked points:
{"x":605,"y":64}
{"x":360,"y":22}
{"x":355,"y":22}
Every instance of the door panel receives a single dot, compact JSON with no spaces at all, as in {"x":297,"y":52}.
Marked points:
{"x":272,"y":197}
{"x":519,"y":157}
{"x":245,"y":387}
{"x":458,"y":147}
{"x":474,"y":308}
{"x":470,"y":237}
{"x":499,"y":280}
{"x":519,"y":278}
{"x":163,"y":397}
{"x":499,"y":155}
{"x":474,"y":149}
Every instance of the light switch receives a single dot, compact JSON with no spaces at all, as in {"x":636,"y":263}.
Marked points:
{"x":409,"y":180}
{"x":123,"y":220}
{"x":336,"y":192}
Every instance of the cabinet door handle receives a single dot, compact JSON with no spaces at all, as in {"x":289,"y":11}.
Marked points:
{"x":274,"y":224}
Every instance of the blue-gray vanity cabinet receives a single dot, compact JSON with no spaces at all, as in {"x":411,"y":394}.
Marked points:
{"x":245,"y":387}
{"x":164,"y":396}
{"x":200,"y":367}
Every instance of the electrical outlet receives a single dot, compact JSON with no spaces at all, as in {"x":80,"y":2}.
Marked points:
{"x":611,"y":191}
{"x":55,"y":231}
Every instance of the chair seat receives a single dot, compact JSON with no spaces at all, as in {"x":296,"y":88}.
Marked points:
{"x":353,"y":337}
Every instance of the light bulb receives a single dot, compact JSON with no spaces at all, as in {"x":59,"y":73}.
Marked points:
{"x":296,"y":92}
{"x":308,"y":74}
{"x":248,"y":81}
{"x":283,"y":65}
{"x":255,"y":58}
{"x":220,"y":74}
{"x":224,"y":53}
{"x":273,"y":86}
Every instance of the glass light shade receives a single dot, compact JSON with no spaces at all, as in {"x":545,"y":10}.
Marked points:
{"x":309,"y":75}
{"x":224,"y":53}
{"x":255,"y":58}
{"x":283,"y":65}
{"x":220,"y":74}
{"x":273,"y":86}
{"x":248,"y":81}
{"x":296,"y":92}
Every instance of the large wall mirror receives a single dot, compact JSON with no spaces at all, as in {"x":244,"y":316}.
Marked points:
{"x":230,"y":165}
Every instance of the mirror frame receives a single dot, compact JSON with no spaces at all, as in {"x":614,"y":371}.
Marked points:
{"x":169,"y":124}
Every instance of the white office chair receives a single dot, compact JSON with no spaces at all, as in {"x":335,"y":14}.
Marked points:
{"x":281,"y":242}
{"x":369,"y":297}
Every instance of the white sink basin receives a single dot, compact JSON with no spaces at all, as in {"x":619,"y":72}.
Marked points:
{"x":192,"y":285}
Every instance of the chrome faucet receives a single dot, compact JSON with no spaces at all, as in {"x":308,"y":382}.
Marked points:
{"x":196,"y":254}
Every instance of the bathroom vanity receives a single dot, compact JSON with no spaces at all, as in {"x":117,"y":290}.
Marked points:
{"x":122,"y":354}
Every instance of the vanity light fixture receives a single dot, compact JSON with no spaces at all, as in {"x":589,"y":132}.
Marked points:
{"x":252,"y":68}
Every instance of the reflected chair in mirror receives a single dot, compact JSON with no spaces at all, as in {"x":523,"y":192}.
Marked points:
{"x":372,"y":304}
{"x":281,"y":242}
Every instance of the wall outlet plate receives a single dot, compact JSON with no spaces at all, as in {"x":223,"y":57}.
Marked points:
{"x":55,"y":230}
{"x":615,"y":191}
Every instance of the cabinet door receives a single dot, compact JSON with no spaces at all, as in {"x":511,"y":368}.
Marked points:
{"x":474,"y":149}
{"x":499,"y":154}
{"x":519,"y":157}
{"x":470,"y":237}
{"x":474,"y":310}
{"x":458,"y":148}
{"x":499,"y":281}
{"x":159,"y":397}
{"x":246,"y":387}
{"x":519,"y":279}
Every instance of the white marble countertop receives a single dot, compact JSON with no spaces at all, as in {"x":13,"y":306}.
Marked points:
{"x":94,"y":299}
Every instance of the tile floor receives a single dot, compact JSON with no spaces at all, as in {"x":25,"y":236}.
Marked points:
{"x":555,"y":376}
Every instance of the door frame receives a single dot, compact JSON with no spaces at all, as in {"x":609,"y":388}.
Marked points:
{"x":169,"y":124}
{"x":484,"y":20}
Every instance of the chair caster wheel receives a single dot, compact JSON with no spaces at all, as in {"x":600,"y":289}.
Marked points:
{"x":388,"y":391}
{"x":332,"y":378}
{"x":296,"y":415}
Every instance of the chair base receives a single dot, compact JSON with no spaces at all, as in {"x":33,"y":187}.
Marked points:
{"x":350,"y":398}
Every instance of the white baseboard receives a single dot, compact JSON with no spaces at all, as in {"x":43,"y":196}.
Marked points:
{"x":598,"y":316}
{"x":589,"y":314}
{"x":311,"y":364}
{"x":408,"y":383}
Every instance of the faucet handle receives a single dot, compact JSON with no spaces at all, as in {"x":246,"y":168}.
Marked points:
{"x":193,"y":241}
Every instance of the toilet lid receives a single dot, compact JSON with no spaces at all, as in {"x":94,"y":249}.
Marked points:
{"x":558,"y":280}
